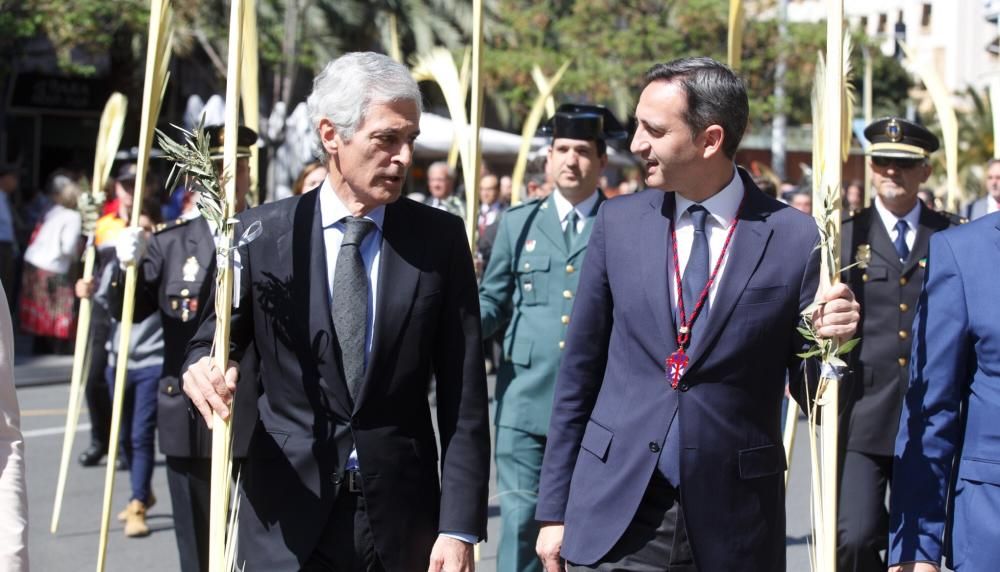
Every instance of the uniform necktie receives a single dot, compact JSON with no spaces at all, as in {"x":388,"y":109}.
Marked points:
{"x":569,"y":233}
{"x":900,"y":243}
{"x":696,"y":272}
{"x":350,"y":302}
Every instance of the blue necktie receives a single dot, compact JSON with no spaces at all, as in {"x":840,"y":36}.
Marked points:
{"x":900,"y":243}
{"x":696,"y":272}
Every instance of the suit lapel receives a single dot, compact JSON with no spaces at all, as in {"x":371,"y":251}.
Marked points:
{"x":310,"y":283}
{"x":881,"y":244}
{"x":397,"y":285}
{"x":580,"y":243}
{"x":549,"y":224}
{"x":925,"y":228}
{"x":655,"y":236}
{"x":745,"y":252}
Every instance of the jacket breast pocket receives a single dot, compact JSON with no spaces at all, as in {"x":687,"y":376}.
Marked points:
{"x":875,"y":273}
{"x":763,"y":295}
{"x":761,"y":461}
{"x":182,"y":300}
{"x":532,"y":278}
{"x":597,"y":440}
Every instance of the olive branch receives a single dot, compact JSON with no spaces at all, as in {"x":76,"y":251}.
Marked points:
{"x":192,"y":160}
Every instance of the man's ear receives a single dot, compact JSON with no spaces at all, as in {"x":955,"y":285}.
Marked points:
{"x":328,"y":137}
{"x":713,"y":137}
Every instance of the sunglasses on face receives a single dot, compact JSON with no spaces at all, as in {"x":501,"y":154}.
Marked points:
{"x":899,"y":162}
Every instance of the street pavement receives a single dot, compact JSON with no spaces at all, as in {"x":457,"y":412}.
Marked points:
{"x":74,"y":546}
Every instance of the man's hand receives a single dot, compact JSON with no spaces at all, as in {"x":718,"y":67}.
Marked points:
{"x":549,"y":545}
{"x":838,"y":315}
{"x":84,"y":287}
{"x":209,"y":389}
{"x":915,"y":567}
{"x":451,"y":555}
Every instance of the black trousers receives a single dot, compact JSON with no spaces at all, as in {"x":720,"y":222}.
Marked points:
{"x":655,"y":541}
{"x":346,"y":544}
{"x":190,"y":481}
{"x":97,"y":393}
{"x":862,"y":518}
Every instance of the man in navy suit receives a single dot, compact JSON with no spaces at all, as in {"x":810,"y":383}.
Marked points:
{"x":946,"y":476}
{"x":662,"y":459}
{"x":353,"y":298}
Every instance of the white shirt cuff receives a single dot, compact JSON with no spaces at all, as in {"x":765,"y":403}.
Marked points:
{"x":466,"y":538}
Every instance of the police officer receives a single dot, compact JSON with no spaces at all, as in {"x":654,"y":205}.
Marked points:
{"x":529,"y":283}
{"x":887,"y":244}
{"x":176,"y":270}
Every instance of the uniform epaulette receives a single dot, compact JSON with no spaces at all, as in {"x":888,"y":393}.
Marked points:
{"x":523,"y":204}
{"x":170,"y":224}
{"x":953,"y":218}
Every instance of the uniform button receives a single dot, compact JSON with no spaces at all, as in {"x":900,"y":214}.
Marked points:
{"x":528,"y":287}
{"x":565,"y":319}
{"x":527,"y":266}
{"x":336,"y":479}
{"x":562,"y":345}
{"x":864,"y":278}
{"x":902,"y":281}
{"x":902,"y":362}
{"x":567,"y":294}
{"x":903,"y":307}
{"x":185,"y":292}
{"x":570,"y":269}
{"x":654,"y":446}
{"x":903,"y":334}
{"x":170,"y":390}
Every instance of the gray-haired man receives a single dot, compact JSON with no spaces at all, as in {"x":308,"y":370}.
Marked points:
{"x":354,"y":297}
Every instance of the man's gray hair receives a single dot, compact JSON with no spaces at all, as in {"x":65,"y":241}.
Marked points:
{"x":350,"y":84}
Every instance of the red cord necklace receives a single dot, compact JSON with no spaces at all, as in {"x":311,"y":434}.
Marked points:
{"x":677,"y":363}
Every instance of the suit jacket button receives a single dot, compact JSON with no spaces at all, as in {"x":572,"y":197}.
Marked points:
{"x":336,"y":478}
{"x":654,"y":446}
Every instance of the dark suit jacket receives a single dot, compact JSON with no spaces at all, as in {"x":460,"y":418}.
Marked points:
{"x":947,"y":466}
{"x":610,"y":416}
{"x":175,"y":278}
{"x":887,"y":290}
{"x":427,"y":321}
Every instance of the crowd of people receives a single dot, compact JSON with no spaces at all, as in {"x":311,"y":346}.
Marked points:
{"x":643,"y":336}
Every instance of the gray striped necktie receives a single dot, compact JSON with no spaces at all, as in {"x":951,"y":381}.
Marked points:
{"x":350,"y":302}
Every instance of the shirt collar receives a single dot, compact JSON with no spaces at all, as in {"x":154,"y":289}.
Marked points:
{"x":723,"y":205}
{"x":583,"y":208}
{"x":912,"y":218}
{"x":332,"y":210}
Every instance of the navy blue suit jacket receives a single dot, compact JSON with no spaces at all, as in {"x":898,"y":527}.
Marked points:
{"x":610,"y":414}
{"x":952,"y":405}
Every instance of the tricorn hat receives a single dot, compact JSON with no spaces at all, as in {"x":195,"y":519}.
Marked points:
{"x":586,"y":122}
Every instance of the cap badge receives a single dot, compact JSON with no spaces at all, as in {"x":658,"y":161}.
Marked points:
{"x":893,"y":131}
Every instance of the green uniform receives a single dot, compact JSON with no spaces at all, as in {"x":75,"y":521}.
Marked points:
{"x":529,"y":286}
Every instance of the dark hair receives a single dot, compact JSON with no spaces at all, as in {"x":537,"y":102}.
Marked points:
{"x":715,"y":96}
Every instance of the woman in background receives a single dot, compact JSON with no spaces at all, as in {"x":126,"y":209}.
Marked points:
{"x":311,"y":177}
{"x":50,"y":266}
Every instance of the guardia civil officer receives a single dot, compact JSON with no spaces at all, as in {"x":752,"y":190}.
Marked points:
{"x":888,"y":245}
{"x":175,"y":272}
{"x":530,"y":283}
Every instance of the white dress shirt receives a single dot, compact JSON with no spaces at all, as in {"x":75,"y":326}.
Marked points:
{"x":722,"y":208}
{"x":911,"y":218}
{"x":583,"y":209}
{"x":332,"y":214}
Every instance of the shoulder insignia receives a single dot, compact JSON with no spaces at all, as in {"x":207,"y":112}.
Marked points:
{"x":953,"y":218}
{"x":523,"y":204}
{"x":170,"y":224}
